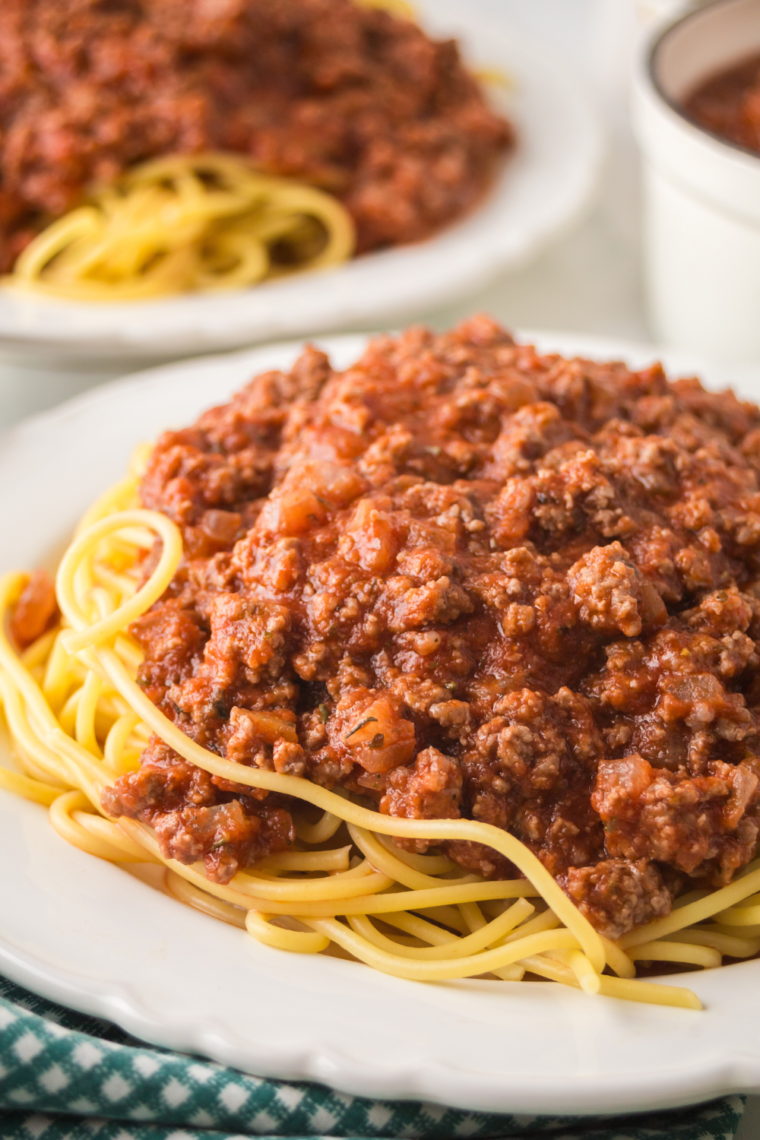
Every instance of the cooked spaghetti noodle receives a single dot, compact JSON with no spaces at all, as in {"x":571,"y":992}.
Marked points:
{"x":78,"y":721}
{"x":396,"y":7}
{"x":182,"y":223}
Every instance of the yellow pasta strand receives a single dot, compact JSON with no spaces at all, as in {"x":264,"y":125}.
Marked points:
{"x":420,"y":928}
{"x":27,"y":787}
{"x":693,"y":912}
{"x":546,"y":921}
{"x":294,"y":940}
{"x":83,"y":634}
{"x":588,"y":979}
{"x":116,"y":740}
{"x":457,"y":948}
{"x":112,"y":834}
{"x":724,"y":943}
{"x":383,"y":860}
{"x":334,"y":861}
{"x":190,"y":895}
{"x":473,"y":917}
{"x":401,"y":967}
{"x":72,"y":830}
{"x":43,"y":758}
{"x":85,"y":713}
{"x":339,"y":886}
{"x":400,"y":8}
{"x":740,"y":916}
{"x":56,"y":680}
{"x":427,"y":864}
{"x":666,"y":951}
{"x":185,"y":222}
{"x":37,"y":653}
{"x":321,"y":831}
{"x":653,"y":993}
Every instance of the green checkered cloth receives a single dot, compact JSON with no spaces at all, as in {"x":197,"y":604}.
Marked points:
{"x":64,"y":1076}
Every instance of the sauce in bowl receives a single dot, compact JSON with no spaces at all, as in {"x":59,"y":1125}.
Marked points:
{"x":728,"y":103}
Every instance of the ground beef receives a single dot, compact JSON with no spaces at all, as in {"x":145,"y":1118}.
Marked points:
{"x":195,"y":816}
{"x":462,"y":578}
{"x":659,"y":815}
{"x":617,"y":894}
{"x":612,"y":594}
{"x":428,"y":789}
{"x":344,"y":96}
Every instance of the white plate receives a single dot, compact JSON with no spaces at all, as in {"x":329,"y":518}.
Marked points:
{"x":543,"y":189}
{"x":89,"y":935}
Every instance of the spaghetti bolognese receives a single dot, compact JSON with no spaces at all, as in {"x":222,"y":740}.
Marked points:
{"x":296,"y":665}
{"x":380,"y":128}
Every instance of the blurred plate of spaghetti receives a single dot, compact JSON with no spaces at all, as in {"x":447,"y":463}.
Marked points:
{"x":544,"y":186}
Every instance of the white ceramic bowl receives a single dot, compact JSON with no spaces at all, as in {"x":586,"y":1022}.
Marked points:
{"x":701,"y":193}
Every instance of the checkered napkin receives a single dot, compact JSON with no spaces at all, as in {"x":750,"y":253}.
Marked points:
{"x":64,"y":1076}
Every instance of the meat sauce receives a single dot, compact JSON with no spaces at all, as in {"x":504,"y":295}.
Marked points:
{"x":728,"y":104}
{"x":462,"y":578}
{"x":35,"y":611}
{"x":343,"y":96}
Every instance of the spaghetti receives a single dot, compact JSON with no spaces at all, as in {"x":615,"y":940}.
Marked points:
{"x":183,"y":223}
{"x":78,"y":721}
{"x":400,"y":8}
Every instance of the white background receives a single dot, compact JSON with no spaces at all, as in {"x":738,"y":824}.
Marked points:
{"x":589,"y":282}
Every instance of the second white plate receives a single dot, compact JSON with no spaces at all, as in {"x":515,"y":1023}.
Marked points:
{"x":544,"y":187}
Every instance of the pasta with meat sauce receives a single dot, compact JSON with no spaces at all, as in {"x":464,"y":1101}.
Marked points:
{"x":495,"y":613}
